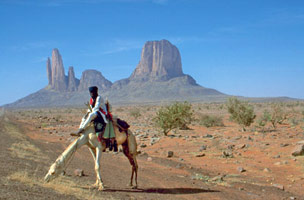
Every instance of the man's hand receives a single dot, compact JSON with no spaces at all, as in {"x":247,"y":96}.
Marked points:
{"x":109,"y":116}
{"x":89,"y":106}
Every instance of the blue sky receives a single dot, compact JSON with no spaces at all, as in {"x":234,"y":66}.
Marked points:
{"x":251,"y":48}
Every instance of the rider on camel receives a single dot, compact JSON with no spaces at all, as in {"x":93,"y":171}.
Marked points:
{"x":99,"y":108}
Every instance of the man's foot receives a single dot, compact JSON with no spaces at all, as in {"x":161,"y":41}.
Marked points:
{"x":78,"y":132}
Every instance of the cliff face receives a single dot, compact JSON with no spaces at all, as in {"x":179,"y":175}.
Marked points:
{"x":72,"y":81}
{"x":93,"y":78}
{"x":160,"y":60}
{"x":59,"y":80}
{"x":49,"y":71}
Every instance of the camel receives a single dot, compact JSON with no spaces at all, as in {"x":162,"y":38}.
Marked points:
{"x":89,"y":138}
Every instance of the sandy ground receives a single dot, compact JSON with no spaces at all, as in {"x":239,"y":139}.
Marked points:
{"x":259,"y":165}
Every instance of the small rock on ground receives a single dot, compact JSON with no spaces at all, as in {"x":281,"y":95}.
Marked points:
{"x":298,"y":150}
{"x":200,"y":155}
{"x":203,"y":147}
{"x":279,"y":186}
{"x":241,"y":169}
{"x":79,"y":172}
{"x":170,"y":154}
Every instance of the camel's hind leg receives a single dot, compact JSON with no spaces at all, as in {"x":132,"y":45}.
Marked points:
{"x":133,"y":162}
{"x":93,"y":152}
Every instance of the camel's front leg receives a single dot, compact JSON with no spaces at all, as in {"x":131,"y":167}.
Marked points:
{"x":97,"y":169}
{"x":93,"y":152}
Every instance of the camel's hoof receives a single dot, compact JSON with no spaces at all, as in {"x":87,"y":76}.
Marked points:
{"x":101,"y":188}
{"x":94,"y":186}
{"x":134,"y":187}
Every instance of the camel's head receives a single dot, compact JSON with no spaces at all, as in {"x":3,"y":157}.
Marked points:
{"x":54,"y":171}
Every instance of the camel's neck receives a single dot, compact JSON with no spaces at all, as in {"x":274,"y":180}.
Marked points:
{"x":68,"y":152}
{"x":63,"y":160}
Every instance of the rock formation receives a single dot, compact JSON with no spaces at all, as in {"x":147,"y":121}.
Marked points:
{"x":93,"y":77}
{"x":72,"y":81}
{"x":49,"y":70}
{"x":160,"y":60}
{"x":157,"y":78}
{"x":59,"y":80}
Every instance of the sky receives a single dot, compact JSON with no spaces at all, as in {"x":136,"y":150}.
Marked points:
{"x":252,"y":48}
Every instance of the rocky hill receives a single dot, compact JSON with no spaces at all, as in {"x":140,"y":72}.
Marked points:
{"x":160,"y":60}
{"x":158,"y":77}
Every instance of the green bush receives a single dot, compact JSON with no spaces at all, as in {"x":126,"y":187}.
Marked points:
{"x":277,"y":115}
{"x":178,"y":115}
{"x":211,"y":121}
{"x":264,"y":119}
{"x":241,"y":112}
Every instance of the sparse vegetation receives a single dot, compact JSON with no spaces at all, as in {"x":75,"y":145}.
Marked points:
{"x":119,"y":110}
{"x":264,"y":119}
{"x":135,"y":112}
{"x":241,"y":112}
{"x":277,"y":115}
{"x":211,"y":121}
{"x":178,"y":115}
{"x":44,"y":125}
{"x":293,"y":122}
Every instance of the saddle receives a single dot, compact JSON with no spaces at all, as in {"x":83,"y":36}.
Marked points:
{"x":122,"y":125}
{"x":99,"y":124}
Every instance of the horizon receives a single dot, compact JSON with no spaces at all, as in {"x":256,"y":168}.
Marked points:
{"x":240,"y":48}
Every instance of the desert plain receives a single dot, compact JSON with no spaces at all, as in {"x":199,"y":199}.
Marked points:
{"x":217,"y":162}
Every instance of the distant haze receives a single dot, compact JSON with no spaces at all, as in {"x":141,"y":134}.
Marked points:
{"x":247,"y":48}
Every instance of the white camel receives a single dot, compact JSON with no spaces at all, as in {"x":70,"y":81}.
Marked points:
{"x":89,"y":138}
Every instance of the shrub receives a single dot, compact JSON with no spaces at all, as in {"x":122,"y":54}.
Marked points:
{"x":293,"y":122}
{"x":277,"y":115}
{"x":264,"y":119}
{"x":211,"y":121}
{"x":241,"y":112}
{"x":178,"y":115}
